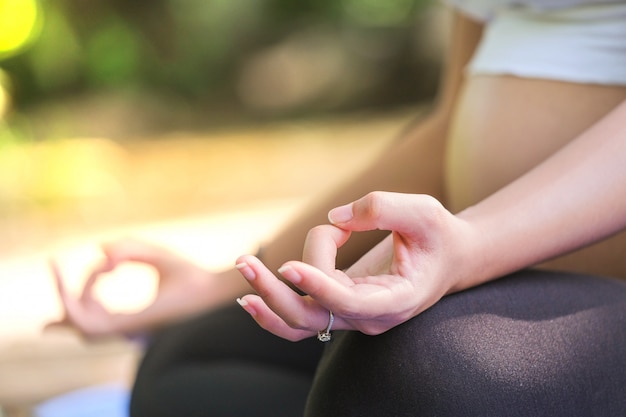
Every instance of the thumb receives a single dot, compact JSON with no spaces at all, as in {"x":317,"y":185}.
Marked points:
{"x":387,"y":211}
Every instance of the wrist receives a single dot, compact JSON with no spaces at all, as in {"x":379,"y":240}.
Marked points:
{"x":473,"y":262}
{"x":499,"y":244}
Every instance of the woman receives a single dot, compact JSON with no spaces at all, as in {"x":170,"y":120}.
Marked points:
{"x":513,"y":96}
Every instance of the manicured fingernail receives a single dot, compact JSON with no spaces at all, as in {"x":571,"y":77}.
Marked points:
{"x":246,"y":271}
{"x":341,"y":214}
{"x":244,"y":304}
{"x":291,"y":274}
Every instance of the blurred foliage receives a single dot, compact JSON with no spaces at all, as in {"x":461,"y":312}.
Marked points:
{"x":78,"y":77}
{"x":272,"y":56}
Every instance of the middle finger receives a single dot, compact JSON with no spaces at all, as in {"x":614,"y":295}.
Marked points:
{"x":299,"y":312}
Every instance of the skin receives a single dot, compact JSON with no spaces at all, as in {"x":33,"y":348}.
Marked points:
{"x":455,"y":157}
{"x":543,"y":116}
{"x":572,"y":199}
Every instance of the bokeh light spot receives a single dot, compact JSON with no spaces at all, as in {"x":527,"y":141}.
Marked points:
{"x":20,"y":21}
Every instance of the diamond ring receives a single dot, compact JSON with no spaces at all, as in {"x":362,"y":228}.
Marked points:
{"x":325,"y":335}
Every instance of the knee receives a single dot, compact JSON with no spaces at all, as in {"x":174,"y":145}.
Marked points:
{"x":413,"y":369}
{"x":481,"y":352}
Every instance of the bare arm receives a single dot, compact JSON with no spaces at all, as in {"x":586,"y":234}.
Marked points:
{"x":574,"y":198}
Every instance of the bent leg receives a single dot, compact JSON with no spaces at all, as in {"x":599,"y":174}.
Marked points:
{"x":223,"y":364}
{"x":531,"y":344}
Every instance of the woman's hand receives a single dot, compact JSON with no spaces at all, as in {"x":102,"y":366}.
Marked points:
{"x":183,"y":289}
{"x":572,"y":199}
{"x":404,"y":275}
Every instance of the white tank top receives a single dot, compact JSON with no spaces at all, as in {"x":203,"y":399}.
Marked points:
{"x":581,"y":41}
{"x":485,"y":9}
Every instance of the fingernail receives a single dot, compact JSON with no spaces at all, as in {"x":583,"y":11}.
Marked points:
{"x":247,"y":307}
{"x":341,"y":214}
{"x":291,"y":274}
{"x":245,"y":270}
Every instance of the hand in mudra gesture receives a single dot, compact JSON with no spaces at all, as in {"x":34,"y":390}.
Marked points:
{"x":402,"y":276}
{"x":183,"y":288}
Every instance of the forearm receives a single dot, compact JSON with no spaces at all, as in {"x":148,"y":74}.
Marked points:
{"x":574,"y":198}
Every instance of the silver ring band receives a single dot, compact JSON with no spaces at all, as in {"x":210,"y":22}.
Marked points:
{"x":325,"y":335}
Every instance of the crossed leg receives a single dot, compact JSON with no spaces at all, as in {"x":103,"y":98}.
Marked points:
{"x":223,"y":364}
{"x":531,"y":344}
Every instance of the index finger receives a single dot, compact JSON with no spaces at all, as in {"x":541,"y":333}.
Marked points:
{"x":321,"y":244}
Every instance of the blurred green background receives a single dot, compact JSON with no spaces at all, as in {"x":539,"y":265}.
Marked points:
{"x":208,"y":63}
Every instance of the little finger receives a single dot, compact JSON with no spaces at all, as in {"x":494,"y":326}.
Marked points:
{"x":269,"y":320}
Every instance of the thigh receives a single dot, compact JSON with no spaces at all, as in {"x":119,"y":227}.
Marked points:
{"x":534,"y":343}
{"x":222,"y":363}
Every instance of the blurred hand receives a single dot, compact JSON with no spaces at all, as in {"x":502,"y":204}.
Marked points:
{"x":401,"y":277}
{"x":183,"y":289}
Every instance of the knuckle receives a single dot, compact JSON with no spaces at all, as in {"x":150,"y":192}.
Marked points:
{"x":348,"y":309}
{"x":372,"y":206}
{"x":432,"y":209}
{"x":263,"y":292}
{"x":317,"y":232}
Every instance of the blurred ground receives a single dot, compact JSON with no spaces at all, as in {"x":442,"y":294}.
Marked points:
{"x":209,"y":195}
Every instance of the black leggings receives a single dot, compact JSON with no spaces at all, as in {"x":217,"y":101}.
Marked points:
{"x":531,"y":344}
{"x":224,"y":364}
